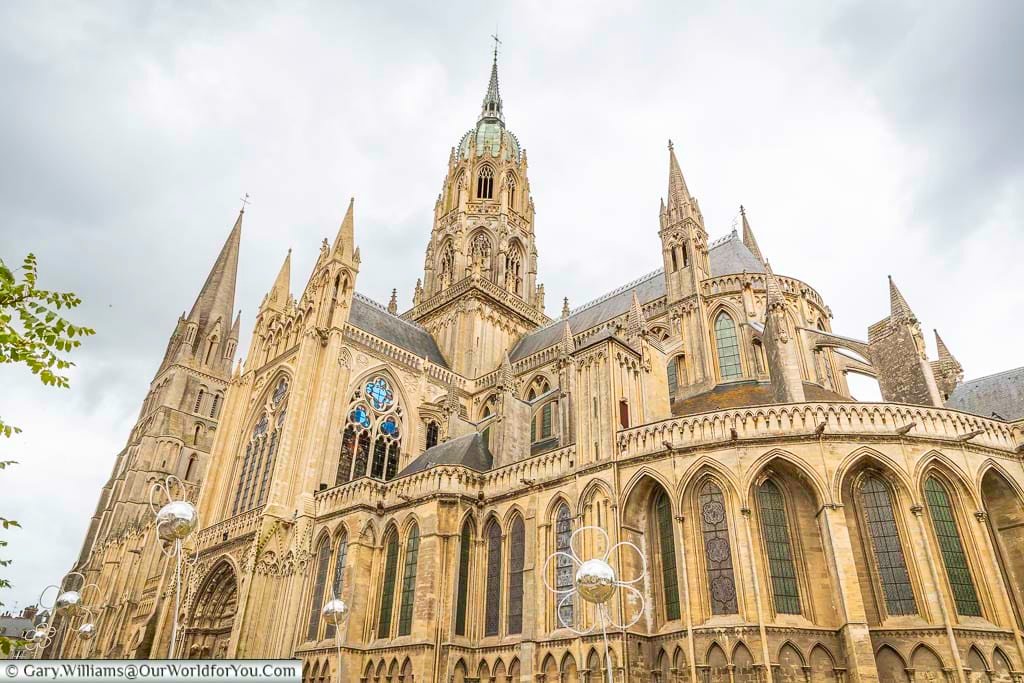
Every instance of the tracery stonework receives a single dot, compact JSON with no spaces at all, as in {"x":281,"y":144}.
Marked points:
{"x":422,"y":467}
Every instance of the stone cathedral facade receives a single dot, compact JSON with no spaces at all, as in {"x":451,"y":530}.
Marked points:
{"x":423,"y":466}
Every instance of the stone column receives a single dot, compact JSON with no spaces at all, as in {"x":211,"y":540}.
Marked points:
{"x":835,"y":537}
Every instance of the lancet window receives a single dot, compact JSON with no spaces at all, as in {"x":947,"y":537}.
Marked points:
{"x":462,"y":595}
{"x":667,"y":555}
{"x":323,"y":558}
{"x":480,"y":253}
{"x":953,"y":556}
{"x":337,"y":583}
{"x":513,"y":270}
{"x":447,"y":264}
{"x":485,"y":183}
{"x":412,"y":551}
{"x":876,"y":507}
{"x":717,"y":550}
{"x":492,"y":600}
{"x":387,"y":594}
{"x":564,"y":568}
{"x":516,"y":561}
{"x":260,"y":453}
{"x":372,"y":440}
{"x":727,"y":346}
{"x":775,"y":530}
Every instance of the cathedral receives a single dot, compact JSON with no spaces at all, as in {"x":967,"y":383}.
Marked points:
{"x":432,"y":468}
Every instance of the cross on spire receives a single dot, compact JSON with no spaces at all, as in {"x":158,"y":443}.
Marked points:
{"x":245,"y":201}
{"x":497,"y":42}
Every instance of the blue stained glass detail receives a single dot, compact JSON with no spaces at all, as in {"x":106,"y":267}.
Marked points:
{"x":390,"y":427}
{"x":379,"y":393}
{"x":261,"y":426}
{"x":361,"y":417}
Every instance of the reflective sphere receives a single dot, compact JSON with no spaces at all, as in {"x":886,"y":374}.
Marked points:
{"x":41,"y":633}
{"x":335,"y":611}
{"x":177,"y":520}
{"x":87,"y":631}
{"x":595,"y":581}
{"x":69,"y":603}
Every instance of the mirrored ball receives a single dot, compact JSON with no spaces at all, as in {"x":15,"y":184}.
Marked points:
{"x":177,"y":520}
{"x":335,"y":611}
{"x":595,"y":581}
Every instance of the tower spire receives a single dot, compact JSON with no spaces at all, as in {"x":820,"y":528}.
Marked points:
{"x":344,"y":243}
{"x":492,"y":100}
{"x":943,"y":350}
{"x":748,"y":237}
{"x":217,"y":297}
{"x":899,"y":308}
{"x":678,"y":194}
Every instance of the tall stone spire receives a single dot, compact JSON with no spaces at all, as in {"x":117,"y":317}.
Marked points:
{"x":899,"y":308}
{"x":678,"y":194}
{"x":216,"y":299}
{"x":491,"y":108}
{"x":748,"y":237}
{"x":277,"y":297}
{"x":568,"y":344}
{"x":943,"y":350}
{"x":344,"y":243}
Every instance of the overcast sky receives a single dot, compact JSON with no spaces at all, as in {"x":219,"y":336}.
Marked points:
{"x":863,"y":139}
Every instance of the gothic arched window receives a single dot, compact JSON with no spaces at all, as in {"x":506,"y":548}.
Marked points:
{"x":775,"y":530}
{"x":667,"y":555}
{"x":412,"y":551}
{"x":542,"y":425}
{"x":462,"y":594}
{"x":717,"y":550}
{"x":323,"y":558}
{"x":199,"y":401}
{"x":215,"y":407}
{"x":432,"y":434}
{"x":510,"y":190}
{"x":387,"y":593}
{"x":485,"y":183}
{"x":480,"y":253}
{"x":563,"y":567}
{"x":953,"y":556}
{"x":516,"y":559}
{"x":337,"y":584}
{"x":447,"y":264}
{"x":513,"y":269}
{"x":372,"y":439}
{"x":727,"y":346}
{"x":252,"y":465}
{"x":492,"y":600}
{"x":877,"y":510}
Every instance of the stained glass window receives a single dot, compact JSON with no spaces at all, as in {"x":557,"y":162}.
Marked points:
{"x":492,"y":606}
{"x":667,"y":554}
{"x":775,"y":530}
{"x":516,"y":557}
{"x":545,"y":419}
{"x":337,"y":584}
{"x":953,"y":556}
{"x":465,"y":542}
{"x":372,"y":440}
{"x":564,"y":569}
{"x":258,"y":463}
{"x":379,"y":394}
{"x":728,"y":347}
{"x":323,"y":557}
{"x":412,"y":548}
{"x":876,"y":505}
{"x":387,"y":593}
{"x":717,"y":550}
{"x":673,"y":376}
{"x":280,"y":391}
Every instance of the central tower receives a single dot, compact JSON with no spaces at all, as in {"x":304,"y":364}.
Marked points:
{"x":479,"y":291}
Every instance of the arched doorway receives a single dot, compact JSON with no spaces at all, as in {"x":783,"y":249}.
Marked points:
{"x":213,"y":614}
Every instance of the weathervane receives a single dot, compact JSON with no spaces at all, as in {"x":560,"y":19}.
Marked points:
{"x":497,"y":42}
{"x":245,"y":201}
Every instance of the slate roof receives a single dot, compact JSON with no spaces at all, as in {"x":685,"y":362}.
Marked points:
{"x":743,"y":394}
{"x":371,"y":317}
{"x":468,"y":450}
{"x":727,"y":255}
{"x":1002,"y":394}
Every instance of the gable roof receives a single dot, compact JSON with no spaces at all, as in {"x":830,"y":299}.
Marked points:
{"x":727,"y":255}
{"x":372,"y":318}
{"x":468,"y":450}
{"x":1001,"y":393}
